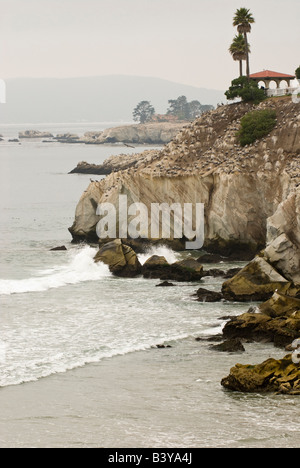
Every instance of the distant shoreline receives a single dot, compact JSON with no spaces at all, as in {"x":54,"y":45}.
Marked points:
{"x":128,"y":134}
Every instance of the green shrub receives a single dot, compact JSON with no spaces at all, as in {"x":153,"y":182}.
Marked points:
{"x":245,"y":89}
{"x":256,"y":125}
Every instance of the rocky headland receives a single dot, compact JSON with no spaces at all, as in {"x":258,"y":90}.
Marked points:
{"x":240,"y":187}
{"x":151,"y":133}
{"x":251,"y":196}
{"x":36,"y":134}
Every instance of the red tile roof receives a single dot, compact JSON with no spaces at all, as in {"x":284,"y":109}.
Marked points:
{"x":270,"y":74}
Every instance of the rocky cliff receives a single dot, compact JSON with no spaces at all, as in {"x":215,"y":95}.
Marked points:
{"x":240,"y":187}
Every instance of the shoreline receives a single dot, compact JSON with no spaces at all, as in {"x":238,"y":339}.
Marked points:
{"x":148,"y":398}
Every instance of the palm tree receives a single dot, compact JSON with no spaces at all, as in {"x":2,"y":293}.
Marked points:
{"x":238,"y":50}
{"x":243,"y":19}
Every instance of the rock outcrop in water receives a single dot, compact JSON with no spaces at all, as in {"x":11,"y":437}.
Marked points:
{"x":35,"y":134}
{"x":241,"y":188}
{"x":276,"y":320}
{"x":111,"y":164}
{"x":149,"y":133}
{"x":281,"y":376}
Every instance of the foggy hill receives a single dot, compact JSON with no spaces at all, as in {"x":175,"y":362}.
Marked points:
{"x":92,"y":99}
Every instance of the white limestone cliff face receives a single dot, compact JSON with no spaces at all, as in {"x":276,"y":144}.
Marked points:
{"x":283,"y":237}
{"x":240,"y":187}
{"x":236,"y":205}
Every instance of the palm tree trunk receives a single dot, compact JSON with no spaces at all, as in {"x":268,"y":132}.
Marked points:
{"x":241,"y":67}
{"x":247,"y":57}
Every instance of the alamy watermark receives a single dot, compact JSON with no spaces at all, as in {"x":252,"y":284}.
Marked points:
{"x":296,"y":353}
{"x":160,"y":221}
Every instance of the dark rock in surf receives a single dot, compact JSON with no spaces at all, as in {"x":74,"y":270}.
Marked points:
{"x":185,"y":270}
{"x":231,"y":346}
{"x":164,"y":284}
{"x":204,"y":295}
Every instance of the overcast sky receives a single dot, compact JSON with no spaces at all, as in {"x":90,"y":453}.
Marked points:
{"x":185,"y":41}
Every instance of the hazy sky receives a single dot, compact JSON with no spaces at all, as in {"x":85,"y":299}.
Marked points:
{"x":180,"y":40}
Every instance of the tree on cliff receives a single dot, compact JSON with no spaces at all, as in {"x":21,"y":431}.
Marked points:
{"x":185,"y":110}
{"x":178,"y":107}
{"x":243,"y":19}
{"x":297,"y":73}
{"x":238,"y":50}
{"x":143,"y":112}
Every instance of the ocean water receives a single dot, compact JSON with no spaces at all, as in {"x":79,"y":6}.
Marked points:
{"x":65,"y":319}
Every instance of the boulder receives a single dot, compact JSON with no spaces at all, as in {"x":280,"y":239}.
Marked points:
{"x":230,"y":346}
{"x":281,"y":305}
{"x":257,"y":281}
{"x":192,"y":265}
{"x":185,"y":270}
{"x":281,"y":376}
{"x":121,"y":259}
{"x":204,"y":295}
{"x":155,"y":260}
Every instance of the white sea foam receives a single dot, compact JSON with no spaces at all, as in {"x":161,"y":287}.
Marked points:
{"x":80,"y":267}
{"x":163,"y":251}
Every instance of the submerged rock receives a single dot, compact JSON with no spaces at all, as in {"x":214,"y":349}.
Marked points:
{"x":281,"y":376}
{"x":165,"y":284}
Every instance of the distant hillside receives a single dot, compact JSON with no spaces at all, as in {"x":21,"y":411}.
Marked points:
{"x":95,"y":99}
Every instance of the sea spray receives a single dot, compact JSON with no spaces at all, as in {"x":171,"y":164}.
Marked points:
{"x":162,"y":251}
{"x":79,"y":267}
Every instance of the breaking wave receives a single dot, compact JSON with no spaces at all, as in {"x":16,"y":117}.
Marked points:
{"x":80,"y":267}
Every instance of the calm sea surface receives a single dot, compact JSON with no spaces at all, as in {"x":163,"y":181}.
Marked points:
{"x":67,"y":323}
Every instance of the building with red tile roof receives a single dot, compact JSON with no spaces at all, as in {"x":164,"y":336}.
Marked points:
{"x":266,"y":76}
